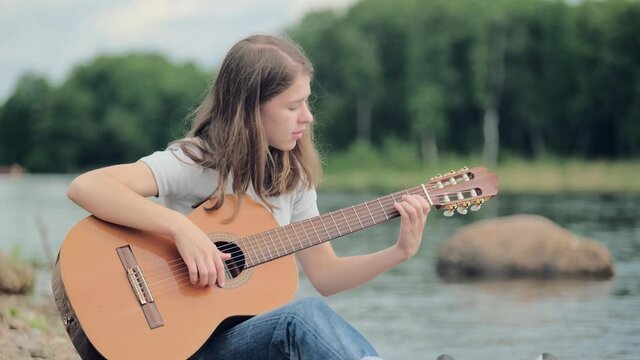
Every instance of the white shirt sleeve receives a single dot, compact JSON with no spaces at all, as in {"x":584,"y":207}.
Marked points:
{"x":175,"y":173}
{"x":305,"y":205}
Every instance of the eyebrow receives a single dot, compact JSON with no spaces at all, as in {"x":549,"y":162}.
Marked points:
{"x":299,"y":100}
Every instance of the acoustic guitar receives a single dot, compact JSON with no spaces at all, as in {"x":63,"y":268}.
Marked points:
{"x":126,"y":294}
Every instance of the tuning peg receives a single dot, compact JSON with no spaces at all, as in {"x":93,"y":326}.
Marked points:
{"x":450,"y":211}
{"x":461,"y":210}
{"x":477,"y":205}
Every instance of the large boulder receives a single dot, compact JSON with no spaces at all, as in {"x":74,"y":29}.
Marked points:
{"x":15,"y":277}
{"x":521,"y":246}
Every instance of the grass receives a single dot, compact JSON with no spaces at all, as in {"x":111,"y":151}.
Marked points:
{"x":396,"y":168}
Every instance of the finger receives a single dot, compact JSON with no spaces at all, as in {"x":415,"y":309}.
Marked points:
{"x":211,"y":268}
{"x":410,"y":208}
{"x":401,"y":210}
{"x":193,"y":271}
{"x":203,"y":273}
{"x":422,"y":207}
{"x":224,"y":256}
{"x":219,"y":269}
{"x":425,"y":205}
{"x":414,"y":201}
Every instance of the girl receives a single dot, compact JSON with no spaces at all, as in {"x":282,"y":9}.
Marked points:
{"x":252,"y":136}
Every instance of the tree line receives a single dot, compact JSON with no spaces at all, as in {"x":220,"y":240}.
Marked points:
{"x":527,"y":78}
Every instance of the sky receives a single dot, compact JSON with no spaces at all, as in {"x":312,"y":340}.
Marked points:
{"x":49,"y":37}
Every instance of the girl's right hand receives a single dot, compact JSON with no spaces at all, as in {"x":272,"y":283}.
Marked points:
{"x":202,"y":257}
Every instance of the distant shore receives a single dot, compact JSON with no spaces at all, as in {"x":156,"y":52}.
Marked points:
{"x":519,"y":176}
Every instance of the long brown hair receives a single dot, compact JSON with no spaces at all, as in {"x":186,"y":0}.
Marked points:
{"x":229,"y":127}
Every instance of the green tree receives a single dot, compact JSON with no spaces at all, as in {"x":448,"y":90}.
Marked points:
{"x":20,"y":118}
{"x":114,"y":109}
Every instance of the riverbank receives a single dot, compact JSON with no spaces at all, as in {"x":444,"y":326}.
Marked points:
{"x":517,"y":176}
{"x":30,"y":327}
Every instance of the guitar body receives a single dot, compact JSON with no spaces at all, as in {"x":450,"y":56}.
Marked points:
{"x":105,"y":318}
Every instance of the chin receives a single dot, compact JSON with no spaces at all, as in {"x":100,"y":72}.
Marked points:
{"x":285,"y":147}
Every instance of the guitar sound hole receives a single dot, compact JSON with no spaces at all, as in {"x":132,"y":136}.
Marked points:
{"x":235,"y":265}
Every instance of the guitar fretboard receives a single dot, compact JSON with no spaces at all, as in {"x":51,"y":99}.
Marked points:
{"x":285,"y":240}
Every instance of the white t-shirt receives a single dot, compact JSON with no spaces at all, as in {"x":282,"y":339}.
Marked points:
{"x":181,"y":183}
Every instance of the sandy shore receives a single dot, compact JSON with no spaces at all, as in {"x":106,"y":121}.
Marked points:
{"x":30,"y":327}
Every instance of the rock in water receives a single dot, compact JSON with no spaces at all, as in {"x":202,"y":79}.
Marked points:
{"x":15,"y":277}
{"x":522,"y":246}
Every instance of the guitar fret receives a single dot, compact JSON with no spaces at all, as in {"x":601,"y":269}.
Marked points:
{"x":324,"y":227}
{"x":293,"y":226}
{"x":372,"y":219}
{"x":246,"y":244}
{"x":314,"y":230}
{"x":358,"y":217}
{"x":346,"y":220}
{"x":272,"y":242}
{"x":304,"y":228}
{"x":262,"y":249}
{"x":384,"y":211}
{"x":280,"y":242}
{"x":334,"y":223}
{"x":279,"y":238}
{"x":264,"y":241}
{"x":282,"y":239}
{"x":293,"y":248}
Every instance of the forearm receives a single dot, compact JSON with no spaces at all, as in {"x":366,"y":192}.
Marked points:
{"x":330,"y":274}
{"x":112,"y":201}
{"x":343,"y":273}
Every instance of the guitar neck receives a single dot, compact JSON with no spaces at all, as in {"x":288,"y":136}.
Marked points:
{"x":272,"y":244}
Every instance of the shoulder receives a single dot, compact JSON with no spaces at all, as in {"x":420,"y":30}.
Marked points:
{"x":304,"y":203}
{"x":176,"y":168}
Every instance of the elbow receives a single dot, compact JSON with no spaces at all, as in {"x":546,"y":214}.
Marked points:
{"x":75,"y":190}
{"x":325,"y":293}
{"x":325,"y":290}
{"x":72,"y":190}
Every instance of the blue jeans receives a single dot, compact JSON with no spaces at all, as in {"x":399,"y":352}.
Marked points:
{"x":304,"y":329}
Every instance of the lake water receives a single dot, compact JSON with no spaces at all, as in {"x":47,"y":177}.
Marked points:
{"x":408,"y":313}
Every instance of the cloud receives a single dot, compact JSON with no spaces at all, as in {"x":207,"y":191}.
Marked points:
{"x":51,"y":36}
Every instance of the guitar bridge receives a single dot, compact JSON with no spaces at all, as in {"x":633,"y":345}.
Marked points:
{"x":140,"y":288}
{"x":139,"y":285}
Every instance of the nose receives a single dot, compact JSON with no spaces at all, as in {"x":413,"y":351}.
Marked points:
{"x":306,"y":117}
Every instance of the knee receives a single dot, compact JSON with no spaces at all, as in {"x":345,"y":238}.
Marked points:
{"x":312,"y":311}
{"x":311,"y":307}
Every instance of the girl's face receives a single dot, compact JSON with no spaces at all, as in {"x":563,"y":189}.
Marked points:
{"x":286,"y":116}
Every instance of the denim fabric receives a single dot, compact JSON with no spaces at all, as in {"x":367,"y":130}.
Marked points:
{"x":306,"y":329}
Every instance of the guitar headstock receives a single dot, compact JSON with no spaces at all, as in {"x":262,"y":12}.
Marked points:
{"x":462,"y":190}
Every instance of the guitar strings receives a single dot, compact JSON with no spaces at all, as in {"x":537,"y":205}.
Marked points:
{"x":236,"y":261}
{"x":417,"y":189}
{"x":420,"y":189}
{"x":252,"y":244}
{"x":341,"y":221}
{"x":227,"y":246}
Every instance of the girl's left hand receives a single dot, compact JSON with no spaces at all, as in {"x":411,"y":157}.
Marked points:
{"x":413,"y":211}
